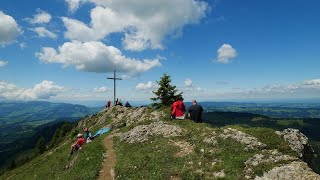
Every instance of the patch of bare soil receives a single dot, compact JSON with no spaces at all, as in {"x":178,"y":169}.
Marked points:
{"x":185,"y":148}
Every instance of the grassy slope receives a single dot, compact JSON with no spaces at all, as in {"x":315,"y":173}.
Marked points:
{"x":86,"y":166}
{"x":87,"y":162}
{"x":155,"y":158}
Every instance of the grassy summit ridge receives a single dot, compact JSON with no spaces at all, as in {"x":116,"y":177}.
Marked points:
{"x":159,"y":150}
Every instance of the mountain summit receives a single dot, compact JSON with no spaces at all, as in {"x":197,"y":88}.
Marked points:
{"x":145,"y":144}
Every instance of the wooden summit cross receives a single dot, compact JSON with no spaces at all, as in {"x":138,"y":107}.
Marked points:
{"x":114,"y":86}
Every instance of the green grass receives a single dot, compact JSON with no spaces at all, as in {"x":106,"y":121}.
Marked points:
{"x":150,"y":160}
{"x":86,"y":166}
{"x":155,"y":158}
{"x":269,"y":137}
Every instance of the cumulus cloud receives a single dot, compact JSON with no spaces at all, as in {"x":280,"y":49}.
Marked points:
{"x":190,"y":91}
{"x":43,"y":32}
{"x":9,"y":29}
{"x":101,"y":90}
{"x":225,"y":53}
{"x":43,"y":90}
{"x":188,"y":82}
{"x":313,"y":82}
{"x":3,"y":63}
{"x":95,"y":57}
{"x":146,"y":86}
{"x":305,"y":89}
{"x":144,"y":23}
{"x":41,"y":17}
{"x":73,"y":5}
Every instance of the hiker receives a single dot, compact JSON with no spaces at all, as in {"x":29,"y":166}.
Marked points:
{"x":77,"y":145}
{"x":178,"y":109}
{"x":119,"y":103}
{"x":195,"y":112}
{"x":127,"y":104}
{"x":108,"y":103}
{"x":88,"y":137}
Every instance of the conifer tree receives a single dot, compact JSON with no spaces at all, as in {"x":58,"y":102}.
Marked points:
{"x":166,"y":93}
{"x":13,"y":164}
{"x":41,"y":145}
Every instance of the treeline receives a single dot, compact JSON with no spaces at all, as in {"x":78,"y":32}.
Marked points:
{"x":275,"y":112}
{"x":45,"y":138}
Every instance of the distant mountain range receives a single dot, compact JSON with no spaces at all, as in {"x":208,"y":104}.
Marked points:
{"x":18,"y":119}
{"x":22,"y":123}
{"x":33,"y":111}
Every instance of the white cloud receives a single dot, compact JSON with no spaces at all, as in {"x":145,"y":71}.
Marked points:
{"x":43,"y":32}
{"x":225,"y":53}
{"x":188,"y":82}
{"x":9,"y":29}
{"x":146,"y":86}
{"x":101,"y":90}
{"x":40,"y":18}
{"x":305,"y":89}
{"x":43,"y":90}
{"x":3,"y":63}
{"x":190,"y":91}
{"x":144,"y":23}
{"x":23,"y":45}
{"x":313,"y":82}
{"x":73,"y":5}
{"x":95,"y":57}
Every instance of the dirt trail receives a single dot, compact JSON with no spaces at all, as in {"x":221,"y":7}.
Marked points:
{"x":107,"y":172}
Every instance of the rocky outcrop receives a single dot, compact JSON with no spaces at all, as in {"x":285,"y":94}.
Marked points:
{"x":265,"y":157}
{"x":143,"y":132}
{"x":211,"y":140}
{"x":294,"y":171}
{"x":299,"y":143}
{"x":121,"y":116}
{"x":296,"y":140}
{"x":250,"y":141}
{"x":130,"y":116}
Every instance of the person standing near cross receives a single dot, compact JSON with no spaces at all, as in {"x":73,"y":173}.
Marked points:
{"x":114,"y":86}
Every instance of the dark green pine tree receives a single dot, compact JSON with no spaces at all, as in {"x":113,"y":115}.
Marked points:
{"x":166,"y":93}
{"x":12,"y":165}
{"x":41,"y":145}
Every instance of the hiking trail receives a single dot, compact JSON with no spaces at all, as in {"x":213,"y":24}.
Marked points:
{"x":107,"y":171}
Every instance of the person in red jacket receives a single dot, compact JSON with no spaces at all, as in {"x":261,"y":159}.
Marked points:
{"x":178,"y":109}
{"x":109,"y":104}
{"x":77,"y":145}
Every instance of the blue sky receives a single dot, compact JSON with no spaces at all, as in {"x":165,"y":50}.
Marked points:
{"x":215,"y":50}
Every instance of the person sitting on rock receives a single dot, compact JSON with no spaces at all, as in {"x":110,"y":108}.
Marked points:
{"x":77,"y":145}
{"x":195,"y":112}
{"x":178,"y":109}
{"x":88,"y":135}
{"x":119,"y":103}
